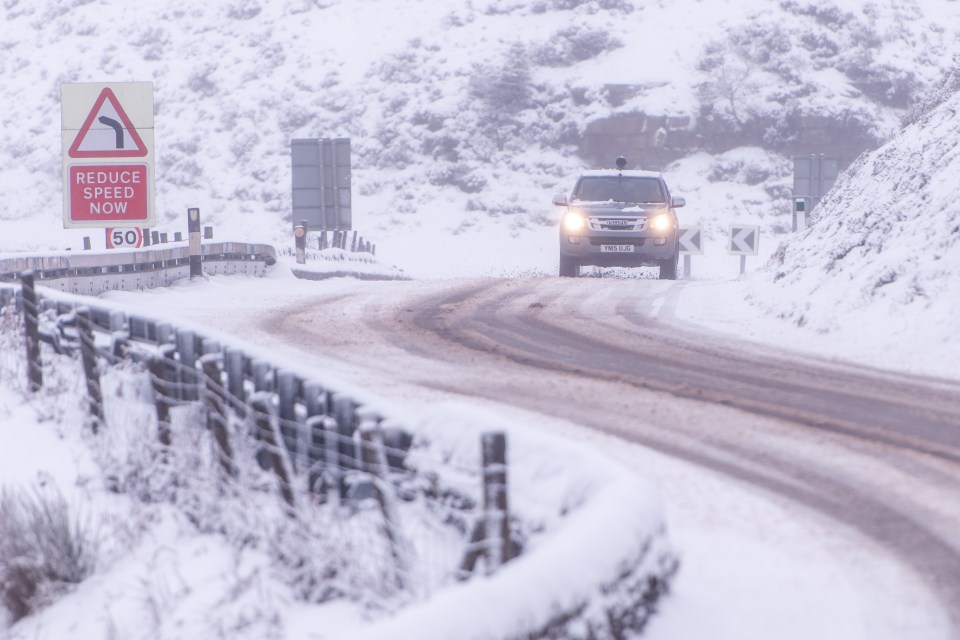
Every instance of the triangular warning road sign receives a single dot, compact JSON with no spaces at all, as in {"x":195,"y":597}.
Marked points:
{"x":107,"y":132}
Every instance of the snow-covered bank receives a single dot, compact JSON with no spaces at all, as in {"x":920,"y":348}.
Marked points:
{"x":180,"y":516}
{"x":876,"y":276}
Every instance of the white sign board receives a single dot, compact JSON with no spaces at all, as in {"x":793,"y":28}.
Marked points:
{"x":108,"y":154}
{"x":691,"y":241}
{"x":744,"y":240}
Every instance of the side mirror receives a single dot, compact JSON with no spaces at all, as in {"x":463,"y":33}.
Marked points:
{"x":678,"y":201}
{"x":560,"y":200}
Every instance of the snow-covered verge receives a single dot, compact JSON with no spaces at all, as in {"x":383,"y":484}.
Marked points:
{"x":178,"y":548}
{"x":338,"y":263}
{"x":885,"y":243}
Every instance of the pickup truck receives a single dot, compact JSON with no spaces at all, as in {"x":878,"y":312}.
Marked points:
{"x":619,"y":218}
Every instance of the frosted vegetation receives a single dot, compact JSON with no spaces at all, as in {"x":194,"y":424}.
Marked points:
{"x":473,"y":109}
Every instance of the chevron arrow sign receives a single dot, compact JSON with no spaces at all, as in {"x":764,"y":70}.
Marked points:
{"x":744,"y":240}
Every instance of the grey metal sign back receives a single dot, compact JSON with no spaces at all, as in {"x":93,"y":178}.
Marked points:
{"x":813,"y":177}
{"x":321,"y":183}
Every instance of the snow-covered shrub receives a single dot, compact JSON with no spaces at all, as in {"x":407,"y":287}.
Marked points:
{"x":45,"y":547}
{"x":767,"y":77}
{"x":502,"y":90}
{"x":949,"y":86}
{"x":573,"y":44}
{"x":12,"y":350}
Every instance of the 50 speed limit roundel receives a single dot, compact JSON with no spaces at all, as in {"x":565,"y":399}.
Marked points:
{"x":129,"y":238}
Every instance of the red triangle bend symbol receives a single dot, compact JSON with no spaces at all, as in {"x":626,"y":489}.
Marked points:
{"x":140,"y":149}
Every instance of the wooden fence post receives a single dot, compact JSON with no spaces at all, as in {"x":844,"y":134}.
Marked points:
{"x":497,"y":526}
{"x":331,"y":458}
{"x":119,"y":334}
{"x":287,"y":385}
{"x":215,"y":401}
{"x":234,"y":364}
{"x":161,"y":380}
{"x":375,"y":463}
{"x":31,"y":323}
{"x":189,"y":377}
{"x":88,"y":354}
{"x":344,"y":412}
{"x":315,"y":402}
{"x":260,"y":406}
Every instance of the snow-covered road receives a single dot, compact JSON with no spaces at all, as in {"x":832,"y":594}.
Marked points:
{"x":786,"y":530}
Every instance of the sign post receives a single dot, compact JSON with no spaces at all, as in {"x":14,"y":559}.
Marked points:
{"x":691,"y":244}
{"x":744,"y":241}
{"x":108,"y":155}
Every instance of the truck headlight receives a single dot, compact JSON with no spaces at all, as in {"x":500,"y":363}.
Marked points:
{"x":574,"y":221}
{"x":660,"y":222}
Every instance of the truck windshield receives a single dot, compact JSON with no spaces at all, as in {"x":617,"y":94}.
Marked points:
{"x":618,"y":189}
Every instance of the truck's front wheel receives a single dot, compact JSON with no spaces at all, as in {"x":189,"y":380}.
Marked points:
{"x":569,"y":267}
{"x":668,"y":268}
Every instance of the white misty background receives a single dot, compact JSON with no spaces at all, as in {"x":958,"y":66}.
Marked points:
{"x":465,"y":118}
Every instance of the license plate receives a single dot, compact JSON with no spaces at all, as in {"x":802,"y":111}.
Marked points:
{"x":616,"y":248}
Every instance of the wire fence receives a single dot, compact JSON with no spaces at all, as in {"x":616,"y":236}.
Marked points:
{"x":438,"y":518}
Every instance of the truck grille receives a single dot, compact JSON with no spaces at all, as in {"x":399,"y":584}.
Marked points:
{"x":618,"y":224}
{"x":638,"y":242}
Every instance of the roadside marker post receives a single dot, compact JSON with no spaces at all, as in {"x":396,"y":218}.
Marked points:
{"x":799,"y":214}
{"x":690,"y":242}
{"x":193,"y":231}
{"x":300,"y":235}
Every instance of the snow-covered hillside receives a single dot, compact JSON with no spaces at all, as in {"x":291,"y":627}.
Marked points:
{"x":885,"y":243}
{"x":464,"y":116}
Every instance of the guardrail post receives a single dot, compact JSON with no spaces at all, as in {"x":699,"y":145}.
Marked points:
{"x":322,"y":241}
{"x":353,"y":243}
{"x":215,"y":400}
{"x":88,"y":354}
{"x":375,"y":463}
{"x":145,"y":232}
{"x":86,"y":243}
{"x":155,"y":236}
{"x":31,"y":324}
{"x":261,"y":407}
{"x":193,"y":232}
{"x":497,"y":524}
